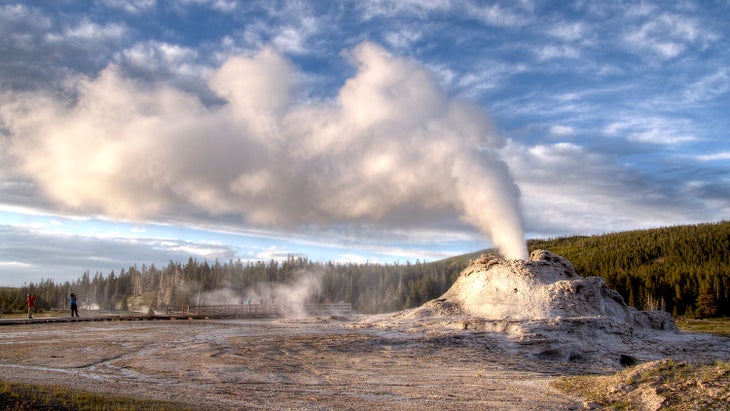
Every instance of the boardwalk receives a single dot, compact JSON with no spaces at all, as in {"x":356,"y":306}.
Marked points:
{"x":101,"y":317}
{"x":199,"y":312}
{"x":264,"y":310}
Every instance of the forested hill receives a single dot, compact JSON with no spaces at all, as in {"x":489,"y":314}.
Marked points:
{"x":684,"y":270}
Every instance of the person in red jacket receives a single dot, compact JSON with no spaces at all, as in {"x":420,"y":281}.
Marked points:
{"x":30,"y":299}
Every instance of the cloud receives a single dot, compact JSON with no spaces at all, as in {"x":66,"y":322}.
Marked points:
{"x":570,"y":189}
{"x":403,"y":38}
{"x":492,"y":74}
{"x":393,"y":150}
{"x":568,"y":31}
{"x":377,"y":8}
{"x":652,"y":129}
{"x":708,"y":87}
{"x":724,"y":155}
{"x":30,"y":254}
{"x":156,"y":61}
{"x":560,"y":130}
{"x":151,"y":55}
{"x":293,"y":28}
{"x":499,"y":16}
{"x":130,"y":6}
{"x":18,"y":18}
{"x":549,"y":52}
{"x":666,"y":35}
{"x":40,"y":51}
{"x":88,"y":31}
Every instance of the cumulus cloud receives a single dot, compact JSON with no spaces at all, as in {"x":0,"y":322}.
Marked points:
{"x":391,"y":150}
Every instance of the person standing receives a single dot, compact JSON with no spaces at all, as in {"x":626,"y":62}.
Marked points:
{"x":74,"y":307}
{"x":30,"y":299}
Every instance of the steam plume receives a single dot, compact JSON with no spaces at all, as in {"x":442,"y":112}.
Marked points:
{"x":290,"y":298}
{"x":391,"y":149}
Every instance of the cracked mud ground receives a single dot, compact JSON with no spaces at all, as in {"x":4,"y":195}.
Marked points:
{"x":283,"y":364}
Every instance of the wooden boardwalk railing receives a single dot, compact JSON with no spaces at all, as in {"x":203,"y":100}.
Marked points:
{"x":262,"y":310}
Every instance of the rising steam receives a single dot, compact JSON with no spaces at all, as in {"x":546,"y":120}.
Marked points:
{"x":390,"y":149}
{"x":290,"y":298}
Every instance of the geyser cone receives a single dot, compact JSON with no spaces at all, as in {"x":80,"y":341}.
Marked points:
{"x":547,"y":311}
{"x":544,"y":287}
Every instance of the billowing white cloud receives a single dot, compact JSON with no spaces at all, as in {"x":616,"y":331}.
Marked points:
{"x":392,"y":150}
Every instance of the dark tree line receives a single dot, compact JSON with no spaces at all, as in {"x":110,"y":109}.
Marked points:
{"x":684,"y":270}
{"x":371,"y":288}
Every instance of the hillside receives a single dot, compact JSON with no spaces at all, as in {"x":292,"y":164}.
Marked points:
{"x":682,"y":269}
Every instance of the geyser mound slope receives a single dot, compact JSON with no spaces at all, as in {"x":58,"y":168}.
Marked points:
{"x":542,"y":288}
{"x":541,"y":308}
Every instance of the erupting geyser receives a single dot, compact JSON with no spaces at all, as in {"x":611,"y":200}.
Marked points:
{"x":389,"y":149}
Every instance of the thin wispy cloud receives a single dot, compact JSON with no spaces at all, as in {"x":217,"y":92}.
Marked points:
{"x":725,"y":155}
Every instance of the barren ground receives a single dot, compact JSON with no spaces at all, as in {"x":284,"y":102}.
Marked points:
{"x":285,"y":364}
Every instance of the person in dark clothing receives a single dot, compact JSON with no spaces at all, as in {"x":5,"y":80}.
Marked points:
{"x":74,"y":307}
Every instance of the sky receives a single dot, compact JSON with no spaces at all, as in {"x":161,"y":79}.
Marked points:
{"x":143,"y":132}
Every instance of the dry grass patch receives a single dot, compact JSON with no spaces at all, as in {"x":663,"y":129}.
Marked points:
{"x":717,"y":326}
{"x":658,"y":385}
{"x":17,"y":396}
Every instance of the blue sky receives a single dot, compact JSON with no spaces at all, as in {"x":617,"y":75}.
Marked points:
{"x":138,"y":132}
